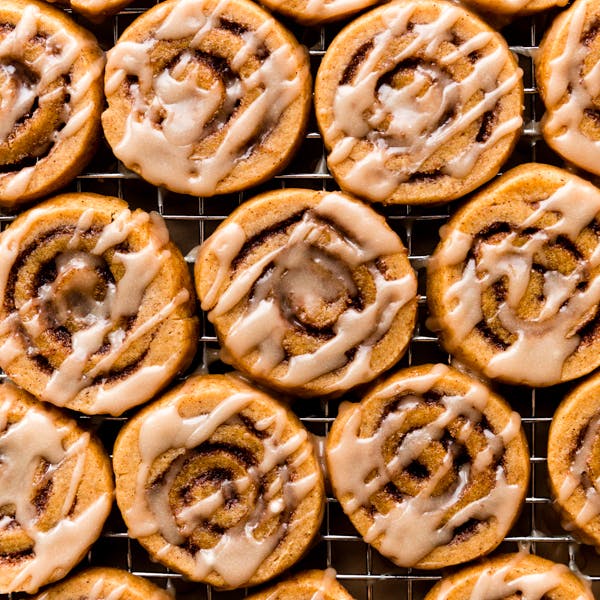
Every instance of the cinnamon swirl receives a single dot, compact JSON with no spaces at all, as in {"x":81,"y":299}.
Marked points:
{"x":574,"y":460}
{"x":310,"y":585}
{"x":220,"y":482}
{"x":431,"y":467}
{"x":417,"y":102}
{"x":310,"y":292}
{"x":97,"y":308}
{"x":206,"y":96}
{"x":55,"y":492}
{"x":513,"y":576}
{"x":514,"y":285}
{"x":50,"y":99}
{"x":105,"y":583}
{"x":568,"y":79}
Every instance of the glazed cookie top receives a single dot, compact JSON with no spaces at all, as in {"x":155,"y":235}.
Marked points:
{"x":568,"y":71}
{"x":205,"y":96}
{"x":514,"y":284}
{"x":417,"y":102}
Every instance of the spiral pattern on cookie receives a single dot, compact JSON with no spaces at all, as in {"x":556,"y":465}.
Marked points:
{"x":310,"y":292}
{"x":55,"y":492}
{"x":206,"y":97}
{"x":514,"y":285}
{"x":50,"y":99}
{"x":568,"y":76}
{"x":574,"y":460}
{"x":105,"y":583}
{"x":417,"y":102}
{"x":97,"y":308}
{"x":219,"y":482}
{"x":509,"y":576}
{"x":309,"y":585}
{"x":431,"y":467}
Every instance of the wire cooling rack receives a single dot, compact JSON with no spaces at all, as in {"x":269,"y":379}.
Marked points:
{"x":363,"y":571}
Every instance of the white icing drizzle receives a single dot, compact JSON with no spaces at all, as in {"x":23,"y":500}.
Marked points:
{"x":544,"y":342}
{"x":361,"y":471}
{"x":574,"y":477}
{"x":263,"y":324}
{"x":23,"y":445}
{"x":239,"y":553}
{"x":409,"y":115}
{"x":569,"y":93}
{"x":97,"y":321}
{"x":501,"y":583}
{"x":61,"y":52}
{"x":167,"y":154}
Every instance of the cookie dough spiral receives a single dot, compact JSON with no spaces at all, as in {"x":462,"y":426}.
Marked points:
{"x":417,"y":102}
{"x":55,"y":492}
{"x":50,"y":99}
{"x":105,"y":583}
{"x":568,"y":76}
{"x":206,"y":96}
{"x":310,"y":292}
{"x":97,"y":309}
{"x":514,"y":285}
{"x":574,"y":460}
{"x":219,"y":482}
{"x":431,"y":467}
{"x":508,"y":576}
{"x":310,"y":585}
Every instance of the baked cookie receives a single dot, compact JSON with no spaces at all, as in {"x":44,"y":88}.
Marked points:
{"x":514,"y":285}
{"x":418,"y":101}
{"x":310,"y":585}
{"x":431,"y":467}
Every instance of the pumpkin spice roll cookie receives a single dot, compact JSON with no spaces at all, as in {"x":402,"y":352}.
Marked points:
{"x":309,"y":292}
{"x":431,"y":467}
{"x":567,"y":73}
{"x":518,"y":575}
{"x":418,"y":102}
{"x":310,"y":585}
{"x":514,"y":284}
{"x":56,"y":491}
{"x":206,"y":97}
{"x":220,"y":482}
{"x":98,"y":310}
{"x":574,"y":460}
{"x":105,"y":583}
{"x":50,"y":99}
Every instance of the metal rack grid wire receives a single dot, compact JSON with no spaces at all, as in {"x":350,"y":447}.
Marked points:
{"x":365,"y":573}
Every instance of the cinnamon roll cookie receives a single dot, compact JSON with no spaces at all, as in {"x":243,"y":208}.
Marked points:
{"x":97,"y":310}
{"x":206,"y":96}
{"x":94,"y":10}
{"x":417,"y":102}
{"x":514,"y":284}
{"x":513,"y":576}
{"x":309,"y":292}
{"x":50,"y":99}
{"x":431,"y":467}
{"x":55,"y":492}
{"x":310,"y":585}
{"x":513,"y":7}
{"x":220,"y":482}
{"x":574,"y":460}
{"x":568,"y":69}
{"x":312,"y":12}
{"x":105,"y":583}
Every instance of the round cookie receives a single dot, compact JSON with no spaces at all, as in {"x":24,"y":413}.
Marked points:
{"x":513,"y":8}
{"x":206,"y":97}
{"x":309,"y":585}
{"x":98,"y":310}
{"x":219,"y":482}
{"x":51,"y":77}
{"x":433,"y":457}
{"x":56,"y":491}
{"x":418,"y":102}
{"x":309,"y":292}
{"x":514,"y":285}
